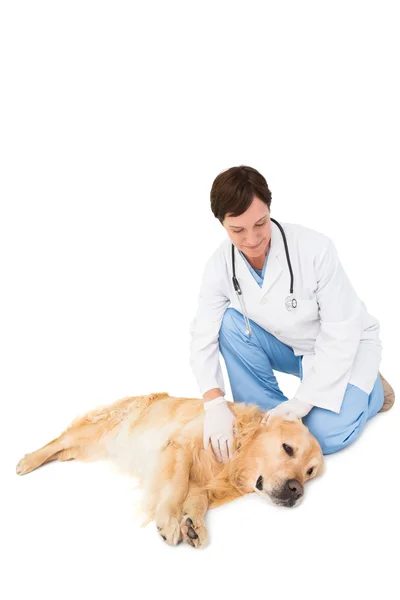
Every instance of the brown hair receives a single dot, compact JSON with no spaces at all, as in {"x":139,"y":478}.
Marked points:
{"x":233,"y":191}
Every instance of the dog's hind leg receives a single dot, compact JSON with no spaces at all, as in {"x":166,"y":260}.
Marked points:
{"x":82,"y":440}
{"x":57,"y":449}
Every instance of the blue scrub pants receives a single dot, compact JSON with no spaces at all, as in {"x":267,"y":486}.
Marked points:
{"x":250,"y":362}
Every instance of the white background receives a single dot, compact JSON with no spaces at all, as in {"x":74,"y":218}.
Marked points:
{"x":115,"y":119}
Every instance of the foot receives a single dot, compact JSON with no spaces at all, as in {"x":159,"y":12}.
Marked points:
{"x":25,"y":465}
{"x":170,"y":530}
{"x":194,"y":532}
{"x":388,"y":395}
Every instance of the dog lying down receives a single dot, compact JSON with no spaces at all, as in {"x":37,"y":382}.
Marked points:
{"x":159,"y":439}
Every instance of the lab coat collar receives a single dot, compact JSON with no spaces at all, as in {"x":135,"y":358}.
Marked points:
{"x":276,"y":260}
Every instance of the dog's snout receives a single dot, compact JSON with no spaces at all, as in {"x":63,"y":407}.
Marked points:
{"x":289,"y":493}
{"x":294,"y":488}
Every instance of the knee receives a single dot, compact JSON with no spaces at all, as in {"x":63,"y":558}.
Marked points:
{"x":230,"y":320}
{"x":331,"y":442}
{"x":332,"y":430}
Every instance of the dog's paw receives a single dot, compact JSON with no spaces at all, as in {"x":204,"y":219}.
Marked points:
{"x":194,"y":532}
{"x":24,"y":466}
{"x":170,"y":531}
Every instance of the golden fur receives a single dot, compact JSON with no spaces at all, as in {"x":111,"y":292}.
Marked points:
{"x":159,"y":439}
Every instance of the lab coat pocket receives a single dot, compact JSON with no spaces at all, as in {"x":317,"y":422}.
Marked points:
{"x":307,"y":314}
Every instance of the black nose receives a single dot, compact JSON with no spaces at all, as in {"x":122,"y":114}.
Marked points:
{"x":294,"y":488}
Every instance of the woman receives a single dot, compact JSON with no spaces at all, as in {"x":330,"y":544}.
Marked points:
{"x":315,"y":327}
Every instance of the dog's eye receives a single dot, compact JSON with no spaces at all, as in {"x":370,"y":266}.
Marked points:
{"x":288,"y":449}
{"x":310,"y":471}
{"x":259,"y":484}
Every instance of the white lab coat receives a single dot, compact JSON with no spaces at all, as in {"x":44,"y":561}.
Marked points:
{"x":330,"y":327}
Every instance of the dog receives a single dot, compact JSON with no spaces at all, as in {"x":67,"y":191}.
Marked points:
{"x":159,"y":439}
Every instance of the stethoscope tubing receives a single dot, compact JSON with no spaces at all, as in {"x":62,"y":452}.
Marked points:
{"x":290,"y":300}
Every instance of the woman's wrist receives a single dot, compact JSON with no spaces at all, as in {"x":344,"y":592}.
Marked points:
{"x":213,"y":402}
{"x":212,"y":394}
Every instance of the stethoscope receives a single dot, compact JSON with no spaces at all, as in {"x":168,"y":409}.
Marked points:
{"x":290,"y":301}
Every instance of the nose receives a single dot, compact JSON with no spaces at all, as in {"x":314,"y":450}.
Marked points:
{"x":294,"y":488}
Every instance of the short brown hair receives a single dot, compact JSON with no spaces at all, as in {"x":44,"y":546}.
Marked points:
{"x":233,"y":191}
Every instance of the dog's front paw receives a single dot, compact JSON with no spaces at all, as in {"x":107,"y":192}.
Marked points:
{"x":194,"y":532}
{"x":170,"y":531}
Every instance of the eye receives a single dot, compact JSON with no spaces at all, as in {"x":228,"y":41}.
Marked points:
{"x":288,"y":449}
{"x":257,"y":225}
{"x":310,"y":471}
{"x":259,"y":484}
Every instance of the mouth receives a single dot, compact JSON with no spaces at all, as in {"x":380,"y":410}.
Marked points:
{"x":289,"y":503}
{"x":254,"y":247}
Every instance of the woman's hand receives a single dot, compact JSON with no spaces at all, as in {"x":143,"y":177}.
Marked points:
{"x":294,"y":407}
{"x":218,"y":427}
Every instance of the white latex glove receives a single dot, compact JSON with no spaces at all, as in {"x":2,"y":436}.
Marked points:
{"x":295,"y":408}
{"x":218,"y":427}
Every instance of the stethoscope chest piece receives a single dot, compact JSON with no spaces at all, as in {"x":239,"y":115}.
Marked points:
{"x":290,"y":302}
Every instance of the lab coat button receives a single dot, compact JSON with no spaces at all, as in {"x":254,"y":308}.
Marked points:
{"x":264,"y":300}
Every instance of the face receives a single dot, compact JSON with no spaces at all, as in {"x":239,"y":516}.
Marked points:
{"x":250,"y":232}
{"x":287,"y":456}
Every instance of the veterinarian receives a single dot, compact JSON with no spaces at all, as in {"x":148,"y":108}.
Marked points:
{"x":274,"y":297}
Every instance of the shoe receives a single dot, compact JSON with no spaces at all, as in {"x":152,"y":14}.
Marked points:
{"x":388,"y":391}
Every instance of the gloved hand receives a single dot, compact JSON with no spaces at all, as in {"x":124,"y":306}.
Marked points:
{"x":293,"y":407}
{"x":218,"y":427}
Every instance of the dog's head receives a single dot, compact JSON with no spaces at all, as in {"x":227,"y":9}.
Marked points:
{"x":281,"y":457}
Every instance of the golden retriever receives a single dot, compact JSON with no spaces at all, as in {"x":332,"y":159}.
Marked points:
{"x":159,"y":439}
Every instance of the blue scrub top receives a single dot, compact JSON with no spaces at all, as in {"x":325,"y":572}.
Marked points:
{"x":258,"y":274}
